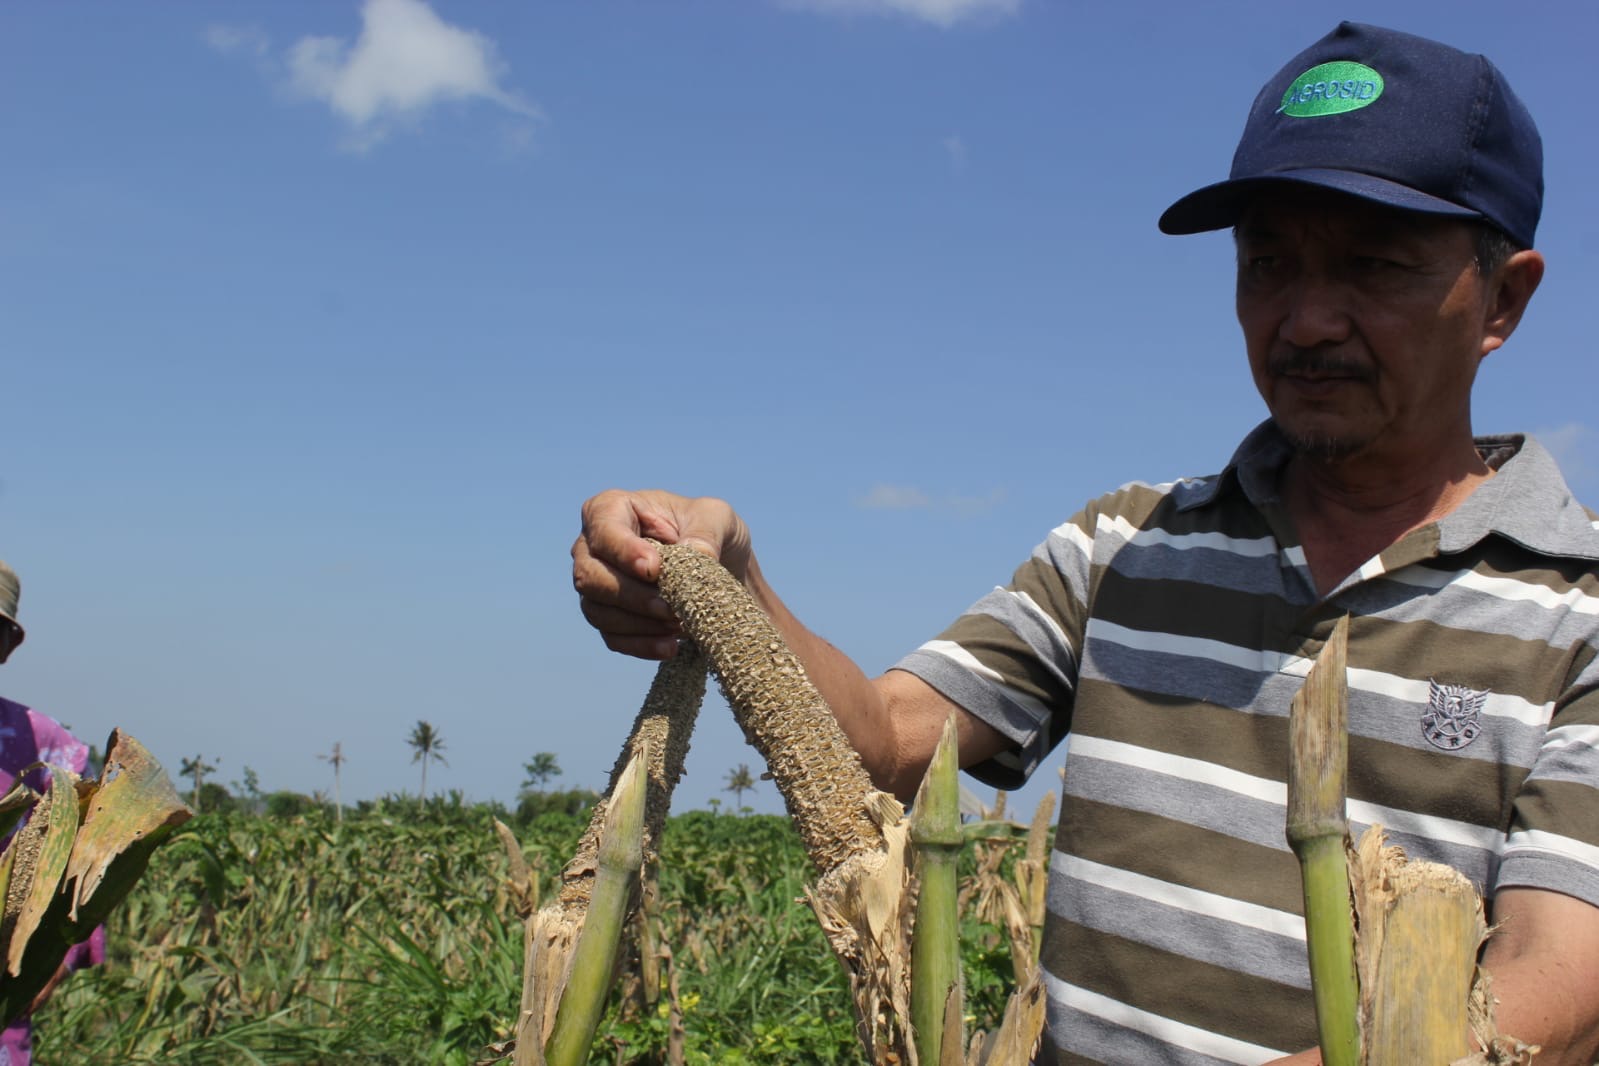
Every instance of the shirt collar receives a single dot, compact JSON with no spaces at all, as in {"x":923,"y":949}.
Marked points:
{"x":1527,"y":501}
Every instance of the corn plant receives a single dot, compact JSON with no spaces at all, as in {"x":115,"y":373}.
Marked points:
{"x":1406,"y":988}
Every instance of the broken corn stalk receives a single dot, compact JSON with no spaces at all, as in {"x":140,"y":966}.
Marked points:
{"x":615,"y":885}
{"x":1318,"y":834}
{"x":1406,"y":988}
{"x":658,"y":744}
{"x":936,"y":1000}
{"x":1032,"y":882}
{"x":1421,"y":926}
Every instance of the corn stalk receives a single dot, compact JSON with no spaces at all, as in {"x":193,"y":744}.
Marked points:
{"x":658,"y":744}
{"x":1407,"y":988}
{"x":936,"y":1000}
{"x":614,"y":887}
{"x":1319,"y":836}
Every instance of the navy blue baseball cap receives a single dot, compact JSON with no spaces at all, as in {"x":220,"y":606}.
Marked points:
{"x":1388,"y":117}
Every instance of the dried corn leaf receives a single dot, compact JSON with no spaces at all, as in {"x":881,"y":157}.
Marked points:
{"x":129,"y":813}
{"x":57,"y":814}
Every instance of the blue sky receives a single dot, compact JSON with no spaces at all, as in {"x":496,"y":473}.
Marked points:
{"x":318,"y":321}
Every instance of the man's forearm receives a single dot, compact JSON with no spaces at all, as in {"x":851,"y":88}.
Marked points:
{"x":1544,"y":962}
{"x":1537,"y":1003}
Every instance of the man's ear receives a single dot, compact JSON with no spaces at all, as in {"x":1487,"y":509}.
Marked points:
{"x":1510,"y":290}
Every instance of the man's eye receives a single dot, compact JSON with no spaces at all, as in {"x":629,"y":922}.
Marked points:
{"x":1368,"y":264}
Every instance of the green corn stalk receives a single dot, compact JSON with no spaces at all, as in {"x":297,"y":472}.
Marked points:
{"x":621,"y":856}
{"x":1319,"y":836}
{"x":660,"y":738}
{"x":936,"y":999}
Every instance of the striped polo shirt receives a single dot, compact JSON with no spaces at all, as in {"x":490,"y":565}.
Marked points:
{"x":1162,"y":632}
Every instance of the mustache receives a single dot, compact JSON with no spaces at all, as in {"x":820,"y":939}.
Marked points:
{"x":1317,"y":362}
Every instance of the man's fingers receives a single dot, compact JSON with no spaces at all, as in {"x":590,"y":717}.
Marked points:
{"x":614,"y":527}
{"x":654,"y":648}
{"x":625,"y":623}
{"x":599,"y":582}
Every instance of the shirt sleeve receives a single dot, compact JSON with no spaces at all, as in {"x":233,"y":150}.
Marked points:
{"x":56,"y":745}
{"x":1553,"y":841}
{"x":1011,"y":659}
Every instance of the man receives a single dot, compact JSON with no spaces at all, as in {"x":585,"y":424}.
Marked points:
{"x":1384,"y":198}
{"x":26,"y":738}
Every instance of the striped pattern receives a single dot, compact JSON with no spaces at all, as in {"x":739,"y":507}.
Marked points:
{"x":1167,"y":628}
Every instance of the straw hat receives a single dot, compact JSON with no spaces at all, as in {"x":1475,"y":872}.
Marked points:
{"x":10,"y":591}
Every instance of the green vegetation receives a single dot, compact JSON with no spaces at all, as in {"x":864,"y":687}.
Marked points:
{"x":391,"y":938}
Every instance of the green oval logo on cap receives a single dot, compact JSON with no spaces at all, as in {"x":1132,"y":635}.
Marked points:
{"x":1331,"y":89}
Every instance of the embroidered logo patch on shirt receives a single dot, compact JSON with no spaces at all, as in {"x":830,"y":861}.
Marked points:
{"x":1454,"y":716}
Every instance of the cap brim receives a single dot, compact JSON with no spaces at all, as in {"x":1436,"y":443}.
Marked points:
{"x":1219,"y":206}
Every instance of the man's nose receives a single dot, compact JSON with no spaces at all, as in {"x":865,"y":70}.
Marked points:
{"x":1316,"y":312}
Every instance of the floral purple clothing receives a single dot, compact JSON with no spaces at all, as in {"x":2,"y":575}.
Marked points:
{"x":27,"y":737}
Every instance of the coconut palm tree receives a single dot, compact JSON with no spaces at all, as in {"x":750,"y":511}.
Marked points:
{"x":196,"y":768}
{"x":426,"y":746}
{"x":337,"y":759}
{"x":740,"y":781}
{"x":540,"y":769}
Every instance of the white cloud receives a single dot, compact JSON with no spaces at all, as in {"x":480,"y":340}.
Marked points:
{"x":955,"y":148}
{"x":906,"y":498}
{"x":975,"y":505}
{"x":405,"y":61}
{"x":893,"y":498}
{"x":939,"y":12}
{"x":229,"y":39}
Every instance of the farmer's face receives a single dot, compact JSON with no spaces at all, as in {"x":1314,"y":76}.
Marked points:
{"x":1364,"y":325}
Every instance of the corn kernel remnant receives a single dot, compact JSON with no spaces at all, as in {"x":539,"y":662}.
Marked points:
{"x":823,"y":783}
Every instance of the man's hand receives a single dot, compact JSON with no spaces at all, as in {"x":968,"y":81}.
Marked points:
{"x":615,"y":570}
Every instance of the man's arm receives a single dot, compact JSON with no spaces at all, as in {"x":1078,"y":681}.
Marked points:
{"x":893,"y":721}
{"x":1544,"y":960}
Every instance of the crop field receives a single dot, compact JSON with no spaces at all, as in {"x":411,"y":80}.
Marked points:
{"x":390,"y":938}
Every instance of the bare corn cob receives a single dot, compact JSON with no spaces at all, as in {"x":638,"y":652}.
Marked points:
{"x":827,"y":790}
{"x":855,"y":835}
